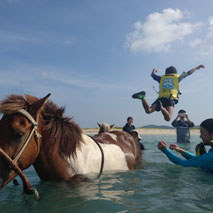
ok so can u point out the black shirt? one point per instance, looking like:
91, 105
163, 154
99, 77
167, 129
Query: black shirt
128, 128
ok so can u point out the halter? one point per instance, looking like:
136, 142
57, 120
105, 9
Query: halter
34, 129
13, 163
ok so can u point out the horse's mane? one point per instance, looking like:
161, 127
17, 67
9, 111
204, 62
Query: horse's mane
12, 104
59, 133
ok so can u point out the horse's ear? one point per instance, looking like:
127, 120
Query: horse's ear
38, 105
99, 124
111, 126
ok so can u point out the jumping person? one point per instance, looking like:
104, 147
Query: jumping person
168, 91
202, 159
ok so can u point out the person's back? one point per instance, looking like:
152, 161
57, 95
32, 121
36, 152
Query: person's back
169, 86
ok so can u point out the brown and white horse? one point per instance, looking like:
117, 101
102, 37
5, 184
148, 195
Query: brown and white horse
35, 132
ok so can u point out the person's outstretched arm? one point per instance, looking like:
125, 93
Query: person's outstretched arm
185, 74
184, 153
195, 68
205, 160
154, 76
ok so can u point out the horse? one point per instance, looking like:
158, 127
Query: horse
105, 127
35, 131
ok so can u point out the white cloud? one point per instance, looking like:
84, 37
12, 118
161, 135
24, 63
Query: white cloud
46, 76
205, 45
13, 1
159, 31
16, 37
41, 38
81, 81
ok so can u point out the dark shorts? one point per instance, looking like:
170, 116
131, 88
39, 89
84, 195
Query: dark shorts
166, 102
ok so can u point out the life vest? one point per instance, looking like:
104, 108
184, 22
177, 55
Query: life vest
169, 86
200, 148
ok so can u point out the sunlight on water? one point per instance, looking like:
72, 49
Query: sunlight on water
158, 186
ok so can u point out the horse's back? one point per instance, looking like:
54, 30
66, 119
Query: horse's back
125, 141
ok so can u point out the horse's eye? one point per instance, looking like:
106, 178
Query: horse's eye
18, 135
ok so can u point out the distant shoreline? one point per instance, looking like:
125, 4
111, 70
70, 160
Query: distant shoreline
144, 131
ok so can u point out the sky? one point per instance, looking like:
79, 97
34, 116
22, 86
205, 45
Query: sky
92, 55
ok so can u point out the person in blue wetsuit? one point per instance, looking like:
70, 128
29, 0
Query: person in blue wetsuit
202, 159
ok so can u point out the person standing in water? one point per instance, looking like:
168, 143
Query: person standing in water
183, 125
168, 91
202, 159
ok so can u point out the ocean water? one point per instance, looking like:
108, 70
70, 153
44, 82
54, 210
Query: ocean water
156, 186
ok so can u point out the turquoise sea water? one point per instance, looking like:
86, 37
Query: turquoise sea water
157, 186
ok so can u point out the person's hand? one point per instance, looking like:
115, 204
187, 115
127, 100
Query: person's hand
200, 66
174, 147
154, 71
187, 117
177, 148
162, 145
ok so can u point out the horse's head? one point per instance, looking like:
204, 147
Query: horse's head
19, 133
104, 127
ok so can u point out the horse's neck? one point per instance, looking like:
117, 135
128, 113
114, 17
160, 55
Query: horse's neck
54, 166
49, 167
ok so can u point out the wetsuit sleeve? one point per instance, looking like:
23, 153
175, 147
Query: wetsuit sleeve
182, 76
189, 155
205, 160
156, 77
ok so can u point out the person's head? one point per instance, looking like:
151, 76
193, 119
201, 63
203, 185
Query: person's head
206, 130
170, 70
182, 113
135, 134
129, 120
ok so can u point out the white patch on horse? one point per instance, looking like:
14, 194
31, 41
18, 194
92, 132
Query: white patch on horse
113, 136
88, 157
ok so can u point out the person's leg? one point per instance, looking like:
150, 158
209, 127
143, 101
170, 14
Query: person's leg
146, 106
167, 112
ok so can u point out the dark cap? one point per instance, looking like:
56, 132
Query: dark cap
171, 70
182, 111
208, 125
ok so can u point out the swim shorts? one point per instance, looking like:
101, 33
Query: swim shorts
166, 102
